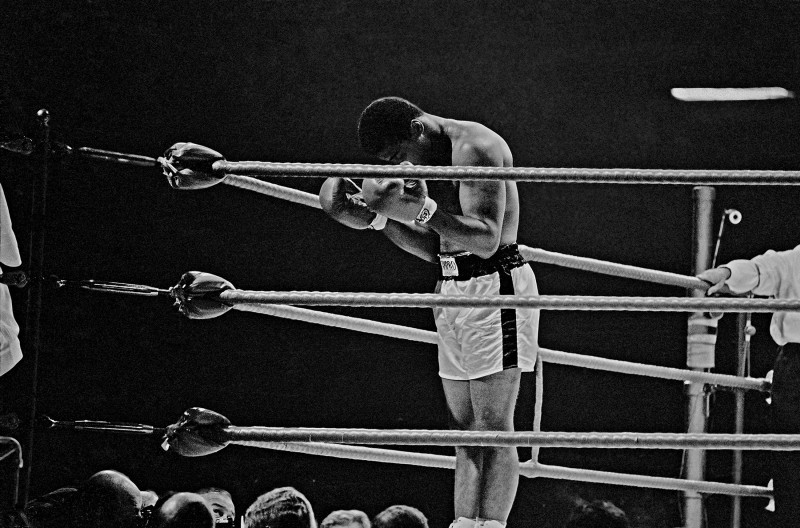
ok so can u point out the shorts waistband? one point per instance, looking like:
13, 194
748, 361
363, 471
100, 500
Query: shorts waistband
791, 347
465, 265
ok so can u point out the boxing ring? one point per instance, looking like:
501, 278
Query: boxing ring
200, 295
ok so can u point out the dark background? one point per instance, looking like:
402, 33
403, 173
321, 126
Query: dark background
567, 83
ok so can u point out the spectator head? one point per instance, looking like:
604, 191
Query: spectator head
400, 516
346, 519
221, 504
108, 499
183, 510
597, 514
280, 508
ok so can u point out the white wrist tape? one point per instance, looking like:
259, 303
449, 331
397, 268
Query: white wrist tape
427, 210
378, 223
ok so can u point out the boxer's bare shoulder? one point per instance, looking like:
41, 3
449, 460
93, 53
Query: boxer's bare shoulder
477, 144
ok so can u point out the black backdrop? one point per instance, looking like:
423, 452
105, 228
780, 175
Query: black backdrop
567, 83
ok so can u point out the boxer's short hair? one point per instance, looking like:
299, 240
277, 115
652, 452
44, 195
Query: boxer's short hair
384, 122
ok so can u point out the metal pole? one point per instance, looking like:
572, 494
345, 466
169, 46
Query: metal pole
34, 305
696, 397
743, 348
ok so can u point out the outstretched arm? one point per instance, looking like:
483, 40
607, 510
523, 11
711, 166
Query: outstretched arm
769, 274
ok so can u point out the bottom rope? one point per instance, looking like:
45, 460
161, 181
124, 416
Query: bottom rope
527, 469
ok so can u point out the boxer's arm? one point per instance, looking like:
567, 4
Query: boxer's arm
417, 240
769, 274
483, 203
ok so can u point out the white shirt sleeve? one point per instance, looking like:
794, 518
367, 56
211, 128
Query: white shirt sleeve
772, 274
9, 252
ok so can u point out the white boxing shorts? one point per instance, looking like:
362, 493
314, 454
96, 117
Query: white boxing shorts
476, 342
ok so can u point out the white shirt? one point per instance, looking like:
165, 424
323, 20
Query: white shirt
10, 351
774, 274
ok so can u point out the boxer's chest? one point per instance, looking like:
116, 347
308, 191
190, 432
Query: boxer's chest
446, 195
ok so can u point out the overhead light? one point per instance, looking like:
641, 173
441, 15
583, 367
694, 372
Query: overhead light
731, 94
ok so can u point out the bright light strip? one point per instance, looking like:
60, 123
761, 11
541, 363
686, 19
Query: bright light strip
731, 94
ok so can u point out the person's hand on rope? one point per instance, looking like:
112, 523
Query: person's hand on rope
716, 277
398, 199
342, 200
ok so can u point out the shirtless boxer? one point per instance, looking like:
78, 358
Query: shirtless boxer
470, 229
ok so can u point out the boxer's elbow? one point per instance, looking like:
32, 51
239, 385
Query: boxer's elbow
487, 243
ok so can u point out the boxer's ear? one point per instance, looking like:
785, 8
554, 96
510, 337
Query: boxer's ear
417, 128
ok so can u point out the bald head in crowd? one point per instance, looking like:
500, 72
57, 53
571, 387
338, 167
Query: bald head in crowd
280, 508
108, 499
183, 510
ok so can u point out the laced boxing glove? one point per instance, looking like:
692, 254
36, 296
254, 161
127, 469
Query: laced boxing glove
188, 166
343, 201
198, 432
405, 201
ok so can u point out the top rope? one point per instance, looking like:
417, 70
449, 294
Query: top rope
530, 174
545, 302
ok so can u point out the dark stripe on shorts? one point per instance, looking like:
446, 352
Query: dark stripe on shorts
508, 322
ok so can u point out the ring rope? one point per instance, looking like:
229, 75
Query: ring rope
530, 254
270, 189
638, 369
531, 174
527, 469
750, 442
544, 302
612, 268
341, 321
551, 356
538, 403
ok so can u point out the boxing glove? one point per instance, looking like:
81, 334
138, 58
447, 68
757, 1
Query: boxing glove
401, 200
343, 201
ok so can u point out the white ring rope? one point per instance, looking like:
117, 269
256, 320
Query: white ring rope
531, 174
530, 254
527, 469
749, 442
551, 356
538, 403
341, 321
543, 302
276, 191
612, 268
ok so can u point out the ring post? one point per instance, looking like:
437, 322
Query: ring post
33, 310
696, 397
743, 359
